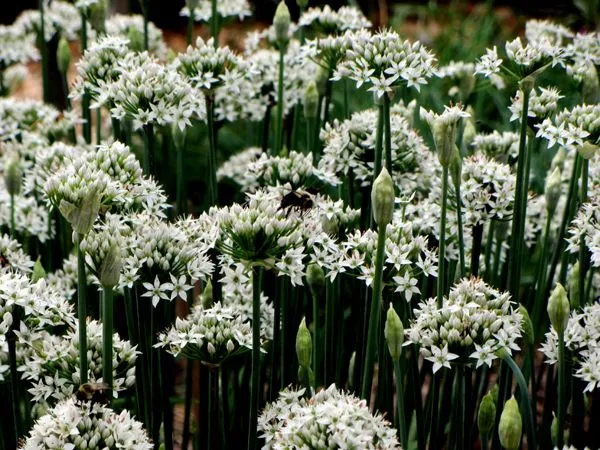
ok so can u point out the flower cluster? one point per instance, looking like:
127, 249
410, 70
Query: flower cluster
60, 18
542, 104
15, 48
474, 322
129, 26
587, 222
236, 170
572, 127
331, 418
384, 61
582, 338
12, 256
84, 425
53, 367
502, 146
328, 21
225, 9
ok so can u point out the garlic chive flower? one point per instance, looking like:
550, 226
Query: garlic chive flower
84, 425
501, 146
383, 61
53, 368
443, 128
331, 418
121, 25
582, 338
327, 21
60, 18
235, 169
225, 10
474, 322
12, 256
210, 335
573, 127
546, 30
15, 47
542, 104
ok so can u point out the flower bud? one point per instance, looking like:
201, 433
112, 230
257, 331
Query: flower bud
321, 80
528, 83
553, 191
351, 370
192, 4
38, 272
510, 427
97, 16
382, 198
587, 150
63, 56
456, 167
394, 333
311, 101
315, 277
302, 3
178, 137
469, 132
303, 345
559, 159
281, 22
573, 285
207, 295
82, 217
590, 87
558, 309
136, 39
487, 414
110, 269
13, 175
526, 325
554, 430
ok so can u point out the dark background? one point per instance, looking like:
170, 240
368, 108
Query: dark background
165, 14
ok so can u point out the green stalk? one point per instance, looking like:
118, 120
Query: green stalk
562, 391
519, 213
255, 385
541, 279
582, 248
387, 133
12, 216
476, 248
346, 102
85, 99
525, 400
190, 33
279, 117
211, 406
316, 341
145, 12
82, 312
310, 139
374, 316
133, 337
489, 243
442, 256
14, 379
401, 418
107, 338
69, 106
148, 136
98, 126
329, 351
44, 54
180, 199
212, 148
461, 239
379, 142
214, 23
459, 400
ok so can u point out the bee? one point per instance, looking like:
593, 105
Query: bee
4, 261
300, 200
93, 392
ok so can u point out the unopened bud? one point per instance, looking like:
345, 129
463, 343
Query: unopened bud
394, 333
136, 39
13, 175
526, 325
178, 137
281, 22
382, 198
207, 295
487, 414
511, 425
192, 4
302, 3
587, 150
573, 285
590, 88
311, 101
554, 430
38, 272
303, 345
98, 15
559, 159
110, 269
315, 277
558, 309
351, 370
553, 191
528, 83
82, 217
456, 168
63, 56
321, 80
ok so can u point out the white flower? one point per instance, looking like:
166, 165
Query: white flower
157, 291
440, 358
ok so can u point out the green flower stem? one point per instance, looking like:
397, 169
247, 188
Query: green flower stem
459, 400
562, 391
69, 106
418, 401
134, 338
82, 312
525, 400
180, 197
387, 133
148, 137
489, 244
583, 263
329, 370
442, 255
14, 378
107, 337
379, 142
145, 8
328, 97
223, 389
255, 386
98, 126
275, 360
316, 341
44, 54
285, 321
476, 248
85, 99
539, 303
432, 422
12, 216
190, 35
279, 117
266, 125
311, 129
214, 23
401, 418
495, 278
374, 316
212, 148
519, 213
346, 102
461, 238
212, 393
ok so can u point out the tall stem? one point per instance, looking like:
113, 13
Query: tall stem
582, 248
374, 315
329, 356
85, 99
148, 136
562, 392
190, 28
180, 198
255, 384
461, 239
519, 214
387, 134
279, 118
212, 148
541, 279
316, 341
107, 337
400, 405
12, 216
82, 312
442, 256
145, 11
44, 53
214, 23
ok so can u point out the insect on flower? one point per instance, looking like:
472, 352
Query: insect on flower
93, 392
300, 200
